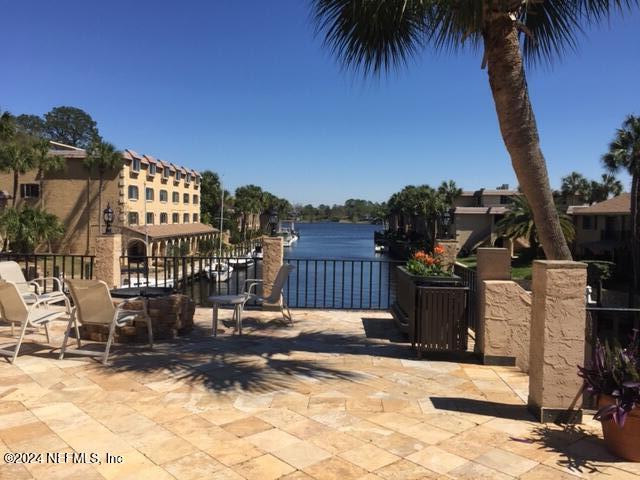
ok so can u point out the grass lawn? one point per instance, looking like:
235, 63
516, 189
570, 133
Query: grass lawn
520, 269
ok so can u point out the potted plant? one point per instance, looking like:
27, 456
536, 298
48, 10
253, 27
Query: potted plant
428, 268
614, 379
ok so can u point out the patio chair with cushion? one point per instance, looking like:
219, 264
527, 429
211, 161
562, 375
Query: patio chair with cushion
93, 306
15, 310
240, 300
32, 291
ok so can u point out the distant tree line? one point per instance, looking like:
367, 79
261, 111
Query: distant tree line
353, 210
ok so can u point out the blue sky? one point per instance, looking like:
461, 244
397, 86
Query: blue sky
245, 89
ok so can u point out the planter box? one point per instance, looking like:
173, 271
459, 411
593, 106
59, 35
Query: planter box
432, 311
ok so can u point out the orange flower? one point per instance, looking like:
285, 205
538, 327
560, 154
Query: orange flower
429, 260
438, 249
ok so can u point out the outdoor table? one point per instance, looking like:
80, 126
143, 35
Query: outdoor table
237, 301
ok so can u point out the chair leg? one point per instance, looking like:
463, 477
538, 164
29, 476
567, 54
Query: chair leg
72, 319
112, 331
46, 332
286, 316
15, 352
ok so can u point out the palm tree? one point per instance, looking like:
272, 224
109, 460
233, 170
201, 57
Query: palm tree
602, 190
450, 191
29, 227
518, 222
624, 153
376, 35
17, 157
45, 163
104, 157
576, 186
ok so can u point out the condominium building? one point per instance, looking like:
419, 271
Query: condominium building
156, 203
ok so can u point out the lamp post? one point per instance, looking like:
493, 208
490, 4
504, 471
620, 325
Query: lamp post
107, 216
447, 219
273, 222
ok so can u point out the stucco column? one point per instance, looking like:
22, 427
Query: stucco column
450, 252
272, 260
107, 260
493, 264
506, 324
557, 339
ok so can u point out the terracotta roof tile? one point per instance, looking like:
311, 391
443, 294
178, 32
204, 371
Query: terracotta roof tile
175, 230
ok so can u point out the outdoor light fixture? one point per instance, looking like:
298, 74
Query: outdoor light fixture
446, 218
107, 215
273, 222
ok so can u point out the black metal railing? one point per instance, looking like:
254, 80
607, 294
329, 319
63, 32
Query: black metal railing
469, 278
36, 265
611, 324
199, 277
341, 284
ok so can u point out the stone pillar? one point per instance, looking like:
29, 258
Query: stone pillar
107, 261
493, 264
506, 324
557, 340
450, 252
272, 260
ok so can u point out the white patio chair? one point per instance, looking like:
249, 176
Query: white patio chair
32, 291
93, 306
240, 300
15, 310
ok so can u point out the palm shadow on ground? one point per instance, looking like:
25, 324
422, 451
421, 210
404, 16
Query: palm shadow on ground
267, 357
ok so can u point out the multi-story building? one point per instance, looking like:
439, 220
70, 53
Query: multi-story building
156, 203
476, 215
603, 229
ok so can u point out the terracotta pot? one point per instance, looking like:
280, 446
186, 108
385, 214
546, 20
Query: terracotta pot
623, 442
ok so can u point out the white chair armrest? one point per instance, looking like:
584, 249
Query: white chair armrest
35, 285
56, 281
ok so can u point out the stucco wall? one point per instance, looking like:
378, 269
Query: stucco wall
507, 321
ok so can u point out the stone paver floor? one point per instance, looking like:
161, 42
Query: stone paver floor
338, 396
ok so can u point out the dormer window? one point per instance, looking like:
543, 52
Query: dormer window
178, 175
135, 165
165, 172
152, 169
187, 179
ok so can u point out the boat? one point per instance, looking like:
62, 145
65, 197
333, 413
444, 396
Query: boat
136, 281
242, 262
288, 232
219, 272
380, 248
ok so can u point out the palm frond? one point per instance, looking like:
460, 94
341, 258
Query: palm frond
371, 35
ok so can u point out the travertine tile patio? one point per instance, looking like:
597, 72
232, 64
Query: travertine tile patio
338, 396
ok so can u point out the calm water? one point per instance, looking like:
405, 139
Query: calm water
334, 241
335, 267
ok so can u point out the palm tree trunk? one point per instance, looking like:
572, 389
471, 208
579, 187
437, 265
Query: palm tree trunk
520, 132
15, 188
635, 238
41, 178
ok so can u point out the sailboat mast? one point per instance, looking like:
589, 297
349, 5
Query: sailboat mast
221, 216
